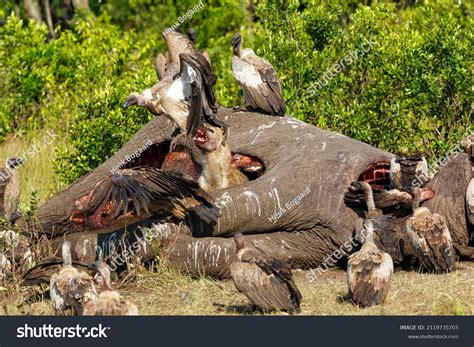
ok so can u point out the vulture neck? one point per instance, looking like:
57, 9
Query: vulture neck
369, 198
237, 50
66, 253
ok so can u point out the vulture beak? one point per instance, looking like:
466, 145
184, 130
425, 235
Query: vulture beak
126, 104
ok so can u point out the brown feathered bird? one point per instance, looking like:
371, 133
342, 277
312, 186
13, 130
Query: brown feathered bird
10, 189
385, 237
258, 79
430, 236
109, 302
70, 289
266, 281
15, 253
42, 272
369, 271
407, 171
470, 201
127, 193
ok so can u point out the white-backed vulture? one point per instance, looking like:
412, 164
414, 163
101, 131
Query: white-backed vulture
10, 189
266, 281
70, 289
369, 271
258, 80
109, 301
430, 236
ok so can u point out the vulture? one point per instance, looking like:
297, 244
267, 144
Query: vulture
179, 98
470, 201
42, 272
266, 281
128, 193
10, 189
429, 235
216, 160
369, 271
15, 253
405, 171
185, 65
467, 144
258, 80
109, 301
192, 38
383, 225
385, 199
70, 289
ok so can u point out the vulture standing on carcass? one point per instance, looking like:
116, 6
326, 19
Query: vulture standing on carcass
266, 281
10, 190
258, 79
187, 70
216, 160
383, 225
408, 171
128, 193
70, 289
192, 38
430, 236
369, 271
109, 301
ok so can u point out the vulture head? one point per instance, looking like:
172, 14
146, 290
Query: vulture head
237, 43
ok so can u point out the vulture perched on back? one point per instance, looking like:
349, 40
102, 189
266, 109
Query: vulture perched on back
70, 289
266, 281
109, 301
258, 79
369, 271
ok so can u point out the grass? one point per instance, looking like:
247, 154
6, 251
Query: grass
166, 292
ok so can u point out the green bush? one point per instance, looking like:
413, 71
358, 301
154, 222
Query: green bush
412, 91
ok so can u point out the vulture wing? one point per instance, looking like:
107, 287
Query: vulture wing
161, 63
259, 80
432, 240
44, 270
146, 189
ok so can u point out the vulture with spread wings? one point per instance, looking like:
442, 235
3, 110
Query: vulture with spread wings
128, 193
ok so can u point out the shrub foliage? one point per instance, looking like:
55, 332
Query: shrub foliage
397, 77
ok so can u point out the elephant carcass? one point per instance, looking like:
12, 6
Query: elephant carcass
295, 210
299, 198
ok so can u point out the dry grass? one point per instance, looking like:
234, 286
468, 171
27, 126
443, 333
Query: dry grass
37, 173
167, 292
